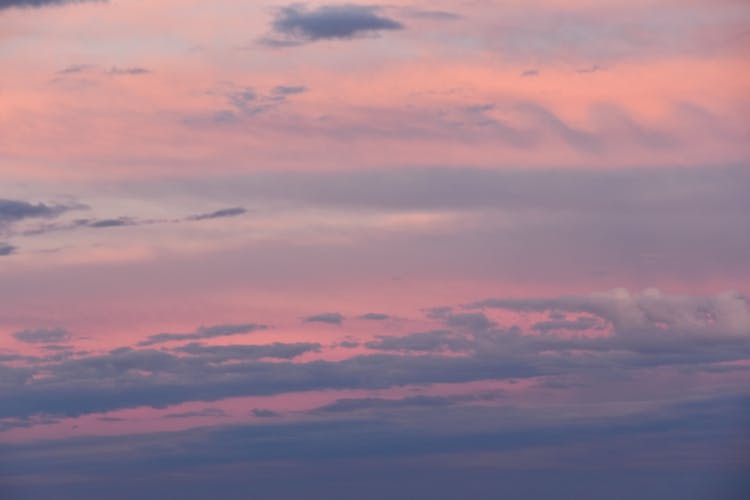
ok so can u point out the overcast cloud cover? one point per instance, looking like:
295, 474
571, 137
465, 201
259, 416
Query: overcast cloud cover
445, 250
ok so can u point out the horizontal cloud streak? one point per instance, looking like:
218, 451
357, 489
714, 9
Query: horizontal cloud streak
297, 24
204, 332
7, 4
219, 214
696, 189
42, 336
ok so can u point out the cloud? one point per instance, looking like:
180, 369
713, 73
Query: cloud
590, 69
43, 336
6, 249
14, 210
530, 72
705, 190
104, 223
75, 69
582, 323
246, 101
330, 318
126, 221
135, 70
576, 138
435, 341
223, 353
297, 24
206, 412
375, 317
363, 404
204, 332
263, 413
648, 312
535, 454
645, 331
289, 89
9, 4
219, 214
431, 15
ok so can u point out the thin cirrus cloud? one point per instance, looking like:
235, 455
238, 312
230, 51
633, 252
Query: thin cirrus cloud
375, 317
204, 332
133, 70
219, 214
298, 24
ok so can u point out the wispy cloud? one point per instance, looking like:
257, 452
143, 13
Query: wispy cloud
219, 214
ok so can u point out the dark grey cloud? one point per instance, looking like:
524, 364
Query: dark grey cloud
435, 341
132, 378
8, 4
206, 412
693, 451
475, 322
264, 413
15, 210
364, 404
6, 249
126, 221
219, 214
330, 318
530, 72
289, 89
581, 323
58, 348
43, 336
298, 24
375, 317
204, 332
349, 344
103, 223
277, 350
7, 424
650, 330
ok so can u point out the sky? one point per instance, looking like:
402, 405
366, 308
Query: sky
491, 249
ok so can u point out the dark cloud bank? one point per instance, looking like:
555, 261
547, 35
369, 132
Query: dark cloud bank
693, 445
